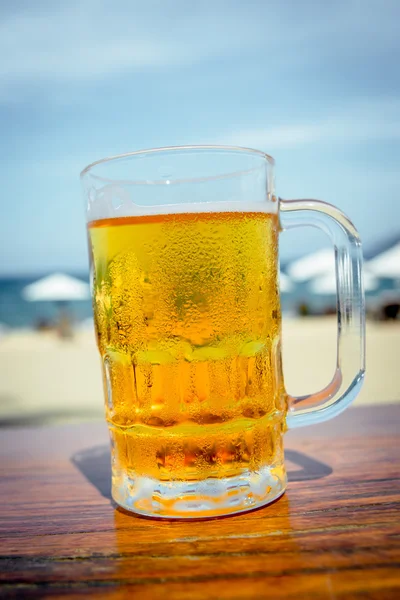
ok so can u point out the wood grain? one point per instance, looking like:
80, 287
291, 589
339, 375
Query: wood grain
335, 533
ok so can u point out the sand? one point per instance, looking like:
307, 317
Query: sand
45, 378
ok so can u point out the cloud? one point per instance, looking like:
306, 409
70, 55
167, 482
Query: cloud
359, 121
61, 46
91, 39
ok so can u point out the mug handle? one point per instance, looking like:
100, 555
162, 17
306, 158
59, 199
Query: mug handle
350, 363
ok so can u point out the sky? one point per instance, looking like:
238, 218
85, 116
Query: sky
315, 84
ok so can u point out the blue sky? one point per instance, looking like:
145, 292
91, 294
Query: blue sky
315, 84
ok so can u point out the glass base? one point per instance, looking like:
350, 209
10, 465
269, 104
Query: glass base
198, 499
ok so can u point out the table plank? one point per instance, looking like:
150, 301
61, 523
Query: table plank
334, 534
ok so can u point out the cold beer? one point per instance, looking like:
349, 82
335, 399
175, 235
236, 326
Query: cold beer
188, 325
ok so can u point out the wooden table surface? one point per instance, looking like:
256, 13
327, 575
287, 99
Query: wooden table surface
334, 534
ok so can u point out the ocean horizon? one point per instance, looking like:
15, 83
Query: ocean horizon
16, 312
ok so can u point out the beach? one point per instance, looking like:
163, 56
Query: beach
44, 378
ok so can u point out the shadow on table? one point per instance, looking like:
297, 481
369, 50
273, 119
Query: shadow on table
94, 464
310, 468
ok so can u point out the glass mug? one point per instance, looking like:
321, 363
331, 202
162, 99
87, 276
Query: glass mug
183, 247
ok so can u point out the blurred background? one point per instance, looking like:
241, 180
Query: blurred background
314, 84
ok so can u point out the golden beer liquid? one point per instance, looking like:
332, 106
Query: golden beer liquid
188, 323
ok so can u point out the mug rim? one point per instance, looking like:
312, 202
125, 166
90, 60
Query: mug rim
165, 149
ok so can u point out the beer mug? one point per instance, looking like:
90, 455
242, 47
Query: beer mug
183, 245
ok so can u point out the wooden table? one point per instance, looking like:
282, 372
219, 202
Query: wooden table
335, 533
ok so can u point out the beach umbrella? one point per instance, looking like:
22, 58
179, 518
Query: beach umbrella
57, 288
386, 264
326, 284
285, 283
313, 265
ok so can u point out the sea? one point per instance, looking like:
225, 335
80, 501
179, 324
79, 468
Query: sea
16, 312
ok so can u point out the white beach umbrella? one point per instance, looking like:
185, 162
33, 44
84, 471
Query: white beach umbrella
285, 283
313, 265
57, 288
386, 264
327, 283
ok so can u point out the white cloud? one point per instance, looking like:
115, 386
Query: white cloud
362, 121
90, 39
62, 47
